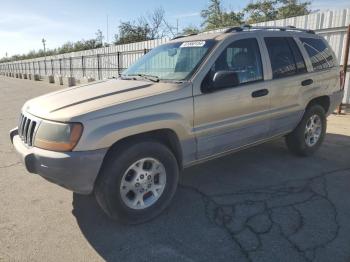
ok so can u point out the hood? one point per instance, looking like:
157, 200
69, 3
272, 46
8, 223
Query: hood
65, 104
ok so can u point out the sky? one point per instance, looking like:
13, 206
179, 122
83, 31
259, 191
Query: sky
24, 23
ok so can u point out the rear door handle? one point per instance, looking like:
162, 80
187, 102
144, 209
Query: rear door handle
307, 82
259, 93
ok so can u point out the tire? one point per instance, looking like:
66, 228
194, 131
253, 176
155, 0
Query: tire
116, 188
299, 141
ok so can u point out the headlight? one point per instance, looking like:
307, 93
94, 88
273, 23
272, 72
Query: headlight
58, 136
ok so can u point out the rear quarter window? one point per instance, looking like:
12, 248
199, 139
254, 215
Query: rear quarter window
320, 54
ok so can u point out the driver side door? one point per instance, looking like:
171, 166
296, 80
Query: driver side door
232, 117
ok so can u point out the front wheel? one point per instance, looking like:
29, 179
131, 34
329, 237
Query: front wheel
137, 182
308, 136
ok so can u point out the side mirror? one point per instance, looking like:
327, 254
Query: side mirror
224, 79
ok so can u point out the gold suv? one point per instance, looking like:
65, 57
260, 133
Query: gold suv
193, 99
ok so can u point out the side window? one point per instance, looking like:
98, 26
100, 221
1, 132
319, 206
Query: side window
286, 59
242, 57
320, 54
299, 60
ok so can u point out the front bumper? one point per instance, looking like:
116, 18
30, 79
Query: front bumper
76, 171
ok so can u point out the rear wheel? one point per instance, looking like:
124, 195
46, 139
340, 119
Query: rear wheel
137, 182
308, 136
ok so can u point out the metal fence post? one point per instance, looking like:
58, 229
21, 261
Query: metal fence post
82, 65
118, 61
98, 67
70, 67
60, 61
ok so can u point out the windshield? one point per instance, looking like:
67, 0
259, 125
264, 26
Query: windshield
175, 61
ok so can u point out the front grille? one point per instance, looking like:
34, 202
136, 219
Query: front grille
26, 129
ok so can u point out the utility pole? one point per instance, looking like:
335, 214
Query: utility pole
44, 44
345, 65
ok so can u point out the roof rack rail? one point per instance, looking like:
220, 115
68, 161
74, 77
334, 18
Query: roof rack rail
181, 36
234, 29
281, 28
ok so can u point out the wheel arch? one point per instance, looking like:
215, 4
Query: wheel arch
166, 136
323, 101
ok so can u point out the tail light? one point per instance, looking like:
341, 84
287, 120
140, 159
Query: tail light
342, 79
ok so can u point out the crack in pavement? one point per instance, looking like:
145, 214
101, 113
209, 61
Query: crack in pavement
11, 165
296, 216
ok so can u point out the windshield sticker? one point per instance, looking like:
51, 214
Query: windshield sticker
193, 44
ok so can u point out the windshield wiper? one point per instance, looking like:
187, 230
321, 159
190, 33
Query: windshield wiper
148, 77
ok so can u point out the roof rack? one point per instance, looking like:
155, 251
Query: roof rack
280, 28
181, 36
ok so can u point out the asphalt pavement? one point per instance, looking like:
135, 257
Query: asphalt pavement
260, 204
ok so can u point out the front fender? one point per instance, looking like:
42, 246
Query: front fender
111, 132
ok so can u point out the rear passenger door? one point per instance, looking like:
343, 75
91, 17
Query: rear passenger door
288, 75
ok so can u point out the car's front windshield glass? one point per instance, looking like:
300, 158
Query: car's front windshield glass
174, 61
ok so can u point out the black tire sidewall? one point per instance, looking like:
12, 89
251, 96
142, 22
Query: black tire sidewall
296, 140
108, 184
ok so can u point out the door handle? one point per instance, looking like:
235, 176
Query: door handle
259, 93
307, 82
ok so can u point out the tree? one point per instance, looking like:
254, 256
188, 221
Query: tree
190, 30
215, 17
145, 28
261, 11
99, 38
267, 10
66, 48
131, 32
291, 8
158, 25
